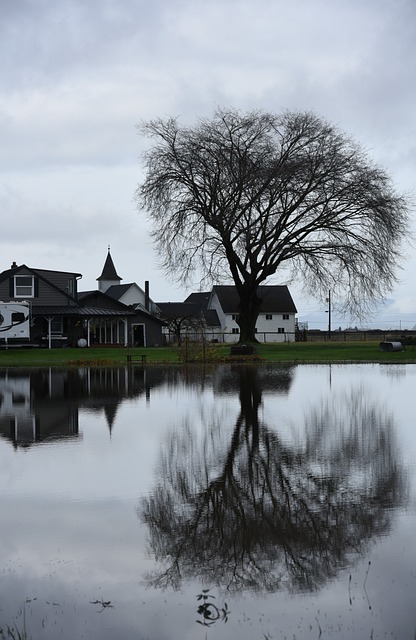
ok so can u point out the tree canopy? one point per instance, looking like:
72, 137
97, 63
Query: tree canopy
246, 195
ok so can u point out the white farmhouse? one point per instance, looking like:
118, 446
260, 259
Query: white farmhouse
215, 314
277, 317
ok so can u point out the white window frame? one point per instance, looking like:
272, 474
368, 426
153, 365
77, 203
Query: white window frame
71, 287
18, 287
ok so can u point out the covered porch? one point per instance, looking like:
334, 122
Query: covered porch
79, 326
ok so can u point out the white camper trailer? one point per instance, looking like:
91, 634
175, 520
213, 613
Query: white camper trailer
14, 321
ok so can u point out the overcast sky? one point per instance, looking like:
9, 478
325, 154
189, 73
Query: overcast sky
77, 76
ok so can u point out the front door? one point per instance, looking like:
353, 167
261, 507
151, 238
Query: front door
139, 335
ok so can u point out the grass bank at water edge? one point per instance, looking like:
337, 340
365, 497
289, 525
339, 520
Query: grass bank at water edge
294, 352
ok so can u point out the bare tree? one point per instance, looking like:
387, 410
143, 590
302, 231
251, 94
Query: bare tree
248, 194
182, 319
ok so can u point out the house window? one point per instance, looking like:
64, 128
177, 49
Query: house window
24, 287
281, 330
285, 316
235, 330
57, 326
269, 316
70, 287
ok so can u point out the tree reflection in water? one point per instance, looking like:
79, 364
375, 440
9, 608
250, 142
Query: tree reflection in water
263, 514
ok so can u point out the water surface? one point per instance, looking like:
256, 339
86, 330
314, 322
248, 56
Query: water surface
282, 496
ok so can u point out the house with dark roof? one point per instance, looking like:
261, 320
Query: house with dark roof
62, 316
55, 315
277, 317
214, 313
144, 325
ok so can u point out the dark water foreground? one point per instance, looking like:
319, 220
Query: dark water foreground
233, 502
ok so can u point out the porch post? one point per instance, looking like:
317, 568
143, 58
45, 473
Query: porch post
126, 335
49, 320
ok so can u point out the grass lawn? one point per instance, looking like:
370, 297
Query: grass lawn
294, 352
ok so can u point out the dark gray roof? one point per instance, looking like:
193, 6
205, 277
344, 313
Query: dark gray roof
199, 298
179, 309
85, 312
84, 294
37, 272
188, 310
117, 290
276, 298
109, 271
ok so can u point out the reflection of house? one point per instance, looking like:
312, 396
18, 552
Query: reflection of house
44, 404
60, 316
216, 314
31, 407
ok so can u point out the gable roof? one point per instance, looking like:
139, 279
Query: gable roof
39, 273
16, 268
116, 291
98, 298
36, 272
275, 298
179, 309
194, 309
199, 298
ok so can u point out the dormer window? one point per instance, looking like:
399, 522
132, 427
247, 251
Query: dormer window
24, 287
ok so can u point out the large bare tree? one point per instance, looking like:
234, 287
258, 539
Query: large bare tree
248, 195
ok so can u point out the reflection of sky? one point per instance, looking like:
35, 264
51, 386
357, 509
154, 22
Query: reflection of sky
70, 532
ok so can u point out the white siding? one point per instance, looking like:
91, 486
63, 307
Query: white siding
133, 295
268, 330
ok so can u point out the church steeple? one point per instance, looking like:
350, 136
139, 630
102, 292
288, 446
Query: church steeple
109, 275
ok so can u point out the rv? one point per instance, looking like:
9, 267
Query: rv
14, 322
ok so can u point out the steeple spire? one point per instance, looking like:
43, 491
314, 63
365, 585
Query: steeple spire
109, 274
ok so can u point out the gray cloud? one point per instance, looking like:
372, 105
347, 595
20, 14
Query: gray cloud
76, 77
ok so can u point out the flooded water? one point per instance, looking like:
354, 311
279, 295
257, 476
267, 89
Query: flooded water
234, 502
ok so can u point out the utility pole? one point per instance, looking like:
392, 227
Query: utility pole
328, 299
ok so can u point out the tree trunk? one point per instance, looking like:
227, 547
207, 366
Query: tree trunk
248, 312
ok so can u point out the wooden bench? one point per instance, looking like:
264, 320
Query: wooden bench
139, 358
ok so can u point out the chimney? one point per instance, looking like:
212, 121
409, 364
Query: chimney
146, 296
13, 266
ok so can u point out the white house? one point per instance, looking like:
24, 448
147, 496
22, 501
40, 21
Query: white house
277, 318
217, 310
